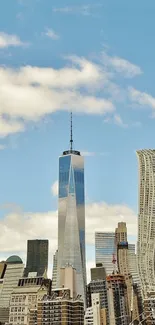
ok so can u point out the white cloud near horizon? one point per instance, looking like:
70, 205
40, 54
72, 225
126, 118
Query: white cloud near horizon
7, 40
16, 227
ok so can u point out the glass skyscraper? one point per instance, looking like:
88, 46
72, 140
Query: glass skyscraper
71, 216
37, 257
105, 249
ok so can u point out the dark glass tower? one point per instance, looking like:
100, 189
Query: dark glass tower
37, 257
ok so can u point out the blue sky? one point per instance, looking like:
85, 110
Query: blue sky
96, 58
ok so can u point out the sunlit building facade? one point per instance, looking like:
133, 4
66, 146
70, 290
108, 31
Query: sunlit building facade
71, 217
146, 220
105, 249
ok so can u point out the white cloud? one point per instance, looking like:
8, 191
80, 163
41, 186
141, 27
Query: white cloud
88, 153
120, 65
118, 120
16, 227
31, 93
7, 40
141, 98
2, 146
84, 10
52, 34
55, 188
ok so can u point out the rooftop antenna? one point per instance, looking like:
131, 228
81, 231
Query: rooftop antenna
71, 134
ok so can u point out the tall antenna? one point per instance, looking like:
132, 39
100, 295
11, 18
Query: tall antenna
71, 135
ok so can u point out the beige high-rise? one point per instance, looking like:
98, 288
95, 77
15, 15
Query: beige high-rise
146, 220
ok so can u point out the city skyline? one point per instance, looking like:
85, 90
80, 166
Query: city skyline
59, 67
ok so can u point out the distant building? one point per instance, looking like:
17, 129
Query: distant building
25, 297
98, 287
37, 257
55, 270
98, 272
68, 279
149, 308
105, 248
124, 269
95, 315
59, 308
146, 220
117, 300
14, 271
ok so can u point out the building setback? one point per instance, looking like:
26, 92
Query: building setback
37, 257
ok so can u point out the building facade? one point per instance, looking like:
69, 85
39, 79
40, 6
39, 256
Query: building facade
95, 315
146, 220
59, 308
98, 287
24, 298
71, 217
14, 271
117, 300
55, 267
37, 257
105, 248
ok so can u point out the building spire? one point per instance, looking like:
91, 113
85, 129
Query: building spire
71, 134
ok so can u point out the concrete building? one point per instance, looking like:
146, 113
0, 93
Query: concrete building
68, 280
95, 315
117, 300
124, 269
98, 287
71, 215
105, 248
149, 308
59, 308
121, 233
146, 220
14, 271
98, 272
25, 297
55, 268
37, 257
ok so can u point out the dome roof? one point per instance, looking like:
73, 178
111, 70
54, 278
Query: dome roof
14, 259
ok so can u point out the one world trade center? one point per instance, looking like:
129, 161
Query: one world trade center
71, 215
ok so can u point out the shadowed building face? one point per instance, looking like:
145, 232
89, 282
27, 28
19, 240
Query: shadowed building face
37, 257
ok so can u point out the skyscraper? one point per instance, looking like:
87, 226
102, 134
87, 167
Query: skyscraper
37, 257
14, 271
71, 215
104, 249
146, 220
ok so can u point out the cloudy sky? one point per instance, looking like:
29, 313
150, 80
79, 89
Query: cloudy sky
96, 59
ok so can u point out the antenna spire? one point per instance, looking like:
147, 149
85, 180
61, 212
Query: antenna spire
71, 134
